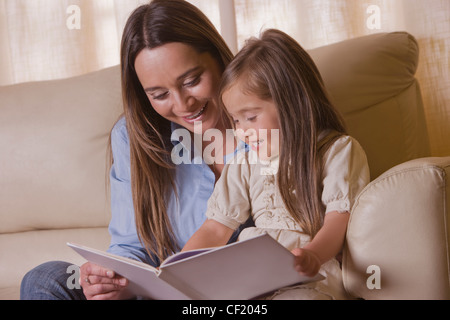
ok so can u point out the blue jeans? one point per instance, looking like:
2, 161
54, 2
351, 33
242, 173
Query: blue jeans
50, 281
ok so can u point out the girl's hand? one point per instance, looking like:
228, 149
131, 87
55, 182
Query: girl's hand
306, 262
102, 284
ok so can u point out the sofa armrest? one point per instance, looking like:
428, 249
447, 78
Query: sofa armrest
397, 244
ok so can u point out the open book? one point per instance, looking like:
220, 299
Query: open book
239, 271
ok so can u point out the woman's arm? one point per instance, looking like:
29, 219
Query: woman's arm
124, 239
210, 234
327, 243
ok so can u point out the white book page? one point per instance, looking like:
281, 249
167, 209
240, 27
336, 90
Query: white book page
242, 270
182, 256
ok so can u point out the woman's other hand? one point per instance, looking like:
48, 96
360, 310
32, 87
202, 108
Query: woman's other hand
102, 284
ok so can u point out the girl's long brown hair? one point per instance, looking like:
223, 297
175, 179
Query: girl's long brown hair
152, 171
276, 68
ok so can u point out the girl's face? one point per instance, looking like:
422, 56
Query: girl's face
181, 84
256, 121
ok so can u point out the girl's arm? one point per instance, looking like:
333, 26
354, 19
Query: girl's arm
210, 234
327, 243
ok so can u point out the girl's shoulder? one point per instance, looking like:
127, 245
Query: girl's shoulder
345, 173
346, 142
341, 142
345, 147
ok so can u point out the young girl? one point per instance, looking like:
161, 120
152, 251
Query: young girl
299, 191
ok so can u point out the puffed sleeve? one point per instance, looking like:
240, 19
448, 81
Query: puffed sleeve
229, 203
345, 174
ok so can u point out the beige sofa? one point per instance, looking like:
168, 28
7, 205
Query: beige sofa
53, 138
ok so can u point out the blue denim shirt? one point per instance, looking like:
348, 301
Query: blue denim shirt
194, 182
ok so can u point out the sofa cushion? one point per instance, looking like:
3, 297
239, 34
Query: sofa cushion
397, 241
23, 251
364, 71
372, 82
53, 138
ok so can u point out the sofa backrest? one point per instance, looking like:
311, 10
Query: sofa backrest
53, 134
53, 138
372, 82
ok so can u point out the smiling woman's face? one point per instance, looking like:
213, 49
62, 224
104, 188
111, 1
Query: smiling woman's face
181, 84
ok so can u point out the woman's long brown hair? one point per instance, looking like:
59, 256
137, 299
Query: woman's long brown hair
152, 171
276, 68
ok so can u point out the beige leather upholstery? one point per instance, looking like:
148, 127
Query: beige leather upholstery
53, 138
371, 80
400, 224
22, 251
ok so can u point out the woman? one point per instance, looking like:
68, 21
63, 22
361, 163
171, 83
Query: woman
172, 59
